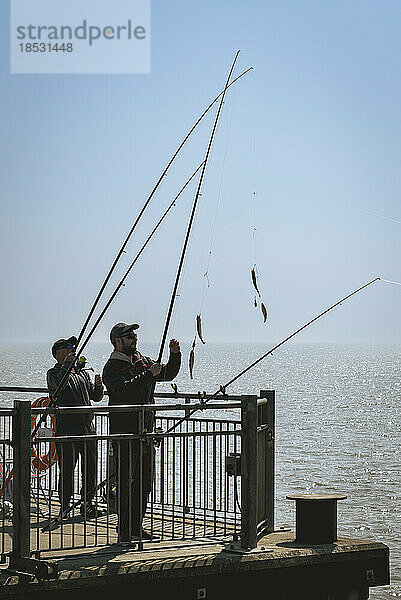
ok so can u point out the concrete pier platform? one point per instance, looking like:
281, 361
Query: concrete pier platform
280, 568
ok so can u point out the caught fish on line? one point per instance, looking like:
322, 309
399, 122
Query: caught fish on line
264, 312
199, 328
254, 281
192, 359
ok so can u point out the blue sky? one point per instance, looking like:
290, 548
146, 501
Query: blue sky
307, 152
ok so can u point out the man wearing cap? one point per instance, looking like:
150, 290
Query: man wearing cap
130, 378
78, 390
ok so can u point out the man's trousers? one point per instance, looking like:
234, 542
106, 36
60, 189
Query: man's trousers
68, 453
134, 462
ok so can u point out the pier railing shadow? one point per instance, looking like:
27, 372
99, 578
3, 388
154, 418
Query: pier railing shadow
207, 477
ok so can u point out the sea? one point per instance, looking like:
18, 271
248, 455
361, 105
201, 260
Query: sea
338, 416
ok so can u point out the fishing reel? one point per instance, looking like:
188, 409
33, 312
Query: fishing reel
80, 365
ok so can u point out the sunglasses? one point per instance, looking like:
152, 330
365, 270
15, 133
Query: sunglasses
68, 346
131, 336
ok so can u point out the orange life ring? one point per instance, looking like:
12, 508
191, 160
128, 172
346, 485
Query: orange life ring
41, 462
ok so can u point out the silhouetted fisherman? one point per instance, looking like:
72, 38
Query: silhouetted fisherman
130, 378
78, 390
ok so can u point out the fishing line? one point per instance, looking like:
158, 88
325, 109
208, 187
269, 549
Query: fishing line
195, 203
206, 279
222, 388
253, 196
370, 212
257, 298
389, 281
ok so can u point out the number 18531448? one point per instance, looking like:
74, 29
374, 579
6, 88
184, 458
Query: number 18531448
42, 47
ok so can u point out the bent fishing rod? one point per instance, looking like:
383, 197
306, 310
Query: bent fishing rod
194, 206
203, 166
127, 272
222, 388
56, 521
149, 198
118, 287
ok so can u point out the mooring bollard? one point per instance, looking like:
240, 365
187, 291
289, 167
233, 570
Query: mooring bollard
316, 517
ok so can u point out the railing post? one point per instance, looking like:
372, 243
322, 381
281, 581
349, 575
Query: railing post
249, 461
266, 420
21, 441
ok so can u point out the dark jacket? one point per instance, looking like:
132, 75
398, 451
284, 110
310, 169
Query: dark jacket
131, 383
78, 391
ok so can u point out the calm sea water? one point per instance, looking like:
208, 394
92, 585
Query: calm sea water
338, 423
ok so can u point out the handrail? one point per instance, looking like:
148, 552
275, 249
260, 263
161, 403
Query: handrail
249, 434
71, 410
190, 396
136, 408
138, 436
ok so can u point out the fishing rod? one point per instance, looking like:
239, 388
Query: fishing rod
57, 520
223, 388
195, 203
203, 165
122, 249
120, 284
149, 198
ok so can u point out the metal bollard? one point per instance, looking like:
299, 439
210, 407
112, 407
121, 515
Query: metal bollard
316, 517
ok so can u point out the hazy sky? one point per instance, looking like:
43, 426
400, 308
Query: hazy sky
308, 153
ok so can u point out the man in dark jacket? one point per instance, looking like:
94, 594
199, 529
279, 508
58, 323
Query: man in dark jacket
130, 378
77, 391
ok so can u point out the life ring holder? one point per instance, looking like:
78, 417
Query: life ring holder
41, 462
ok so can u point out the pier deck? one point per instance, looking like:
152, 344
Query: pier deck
208, 568
213, 492
89, 534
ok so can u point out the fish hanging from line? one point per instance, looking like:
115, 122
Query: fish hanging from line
264, 312
255, 301
254, 281
192, 359
199, 328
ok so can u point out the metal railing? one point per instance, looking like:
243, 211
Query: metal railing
191, 479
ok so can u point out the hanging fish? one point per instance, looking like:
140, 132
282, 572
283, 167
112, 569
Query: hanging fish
191, 363
255, 285
264, 312
255, 302
192, 359
199, 328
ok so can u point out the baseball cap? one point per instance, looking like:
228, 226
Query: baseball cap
63, 343
121, 329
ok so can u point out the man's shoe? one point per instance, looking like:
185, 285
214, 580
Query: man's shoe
127, 544
147, 536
